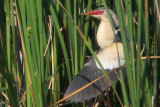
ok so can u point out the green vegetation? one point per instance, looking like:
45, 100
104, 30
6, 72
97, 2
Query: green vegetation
44, 43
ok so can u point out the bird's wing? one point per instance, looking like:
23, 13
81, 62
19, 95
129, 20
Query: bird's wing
89, 73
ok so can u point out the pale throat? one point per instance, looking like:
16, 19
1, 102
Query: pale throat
105, 35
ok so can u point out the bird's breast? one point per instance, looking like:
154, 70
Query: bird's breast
109, 56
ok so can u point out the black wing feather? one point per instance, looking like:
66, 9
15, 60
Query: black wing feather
89, 73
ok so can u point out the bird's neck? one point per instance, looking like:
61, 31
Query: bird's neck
105, 35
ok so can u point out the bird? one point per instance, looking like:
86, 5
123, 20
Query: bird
107, 56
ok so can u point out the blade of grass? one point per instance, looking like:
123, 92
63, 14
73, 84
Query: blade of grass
55, 21
40, 76
126, 52
129, 19
71, 35
8, 34
86, 28
75, 39
147, 52
139, 51
12, 96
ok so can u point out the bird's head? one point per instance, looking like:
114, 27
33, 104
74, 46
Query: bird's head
97, 13
100, 13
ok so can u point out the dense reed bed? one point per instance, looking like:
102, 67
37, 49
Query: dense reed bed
44, 44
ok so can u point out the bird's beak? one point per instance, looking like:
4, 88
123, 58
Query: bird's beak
94, 12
